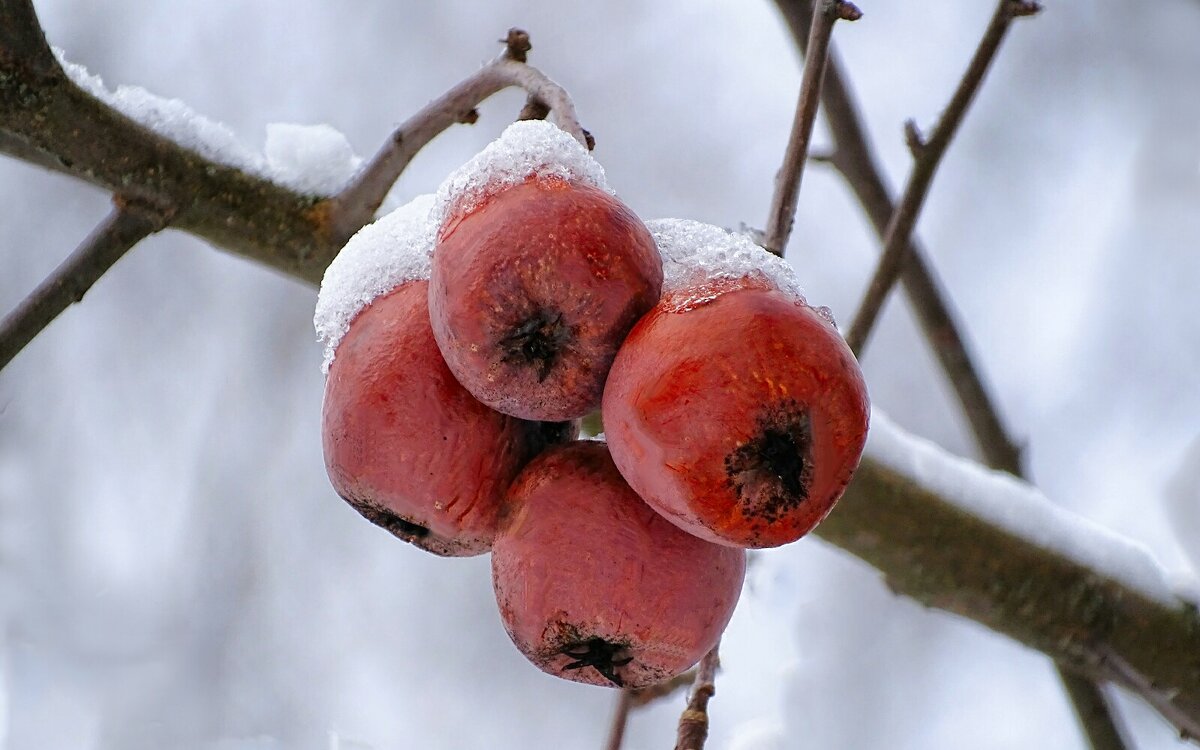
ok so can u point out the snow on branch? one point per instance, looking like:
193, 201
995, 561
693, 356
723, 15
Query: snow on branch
982, 544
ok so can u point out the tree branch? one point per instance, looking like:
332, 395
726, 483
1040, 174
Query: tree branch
693, 723
127, 225
46, 119
357, 203
927, 156
933, 551
787, 182
854, 158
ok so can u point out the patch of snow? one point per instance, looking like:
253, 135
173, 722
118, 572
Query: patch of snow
377, 259
525, 149
312, 159
695, 254
1019, 508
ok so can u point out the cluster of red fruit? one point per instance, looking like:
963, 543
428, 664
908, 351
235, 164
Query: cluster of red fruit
472, 331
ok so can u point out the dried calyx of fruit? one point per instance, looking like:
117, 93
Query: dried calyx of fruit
734, 408
596, 587
404, 443
540, 272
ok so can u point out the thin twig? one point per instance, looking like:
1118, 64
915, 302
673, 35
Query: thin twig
1094, 712
929, 155
616, 731
855, 160
853, 157
357, 203
1187, 725
693, 723
127, 225
787, 182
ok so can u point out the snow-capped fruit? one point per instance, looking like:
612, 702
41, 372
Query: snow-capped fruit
737, 411
533, 290
596, 587
406, 445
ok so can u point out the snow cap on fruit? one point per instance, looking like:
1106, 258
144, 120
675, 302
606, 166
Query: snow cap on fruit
696, 254
529, 148
378, 258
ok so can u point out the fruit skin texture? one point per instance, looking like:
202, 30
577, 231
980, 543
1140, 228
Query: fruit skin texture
596, 587
533, 291
737, 412
405, 444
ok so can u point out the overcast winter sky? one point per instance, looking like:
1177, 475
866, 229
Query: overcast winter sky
175, 570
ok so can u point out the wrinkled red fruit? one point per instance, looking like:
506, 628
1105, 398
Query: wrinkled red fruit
533, 292
739, 414
596, 587
406, 445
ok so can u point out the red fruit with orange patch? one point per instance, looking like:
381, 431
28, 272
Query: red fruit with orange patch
737, 411
533, 291
406, 445
596, 587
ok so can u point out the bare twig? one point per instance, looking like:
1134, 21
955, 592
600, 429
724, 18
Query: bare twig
1187, 725
787, 182
616, 730
127, 225
928, 156
693, 723
1095, 713
854, 159
357, 203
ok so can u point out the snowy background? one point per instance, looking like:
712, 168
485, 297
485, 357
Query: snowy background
175, 570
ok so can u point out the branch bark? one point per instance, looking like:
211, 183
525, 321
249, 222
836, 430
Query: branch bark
127, 225
931, 550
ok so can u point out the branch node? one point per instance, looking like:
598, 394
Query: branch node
517, 44
1020, 8
470, 117
846, 11
913, 139
534, 109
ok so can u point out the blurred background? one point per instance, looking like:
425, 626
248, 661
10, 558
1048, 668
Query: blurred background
175, 570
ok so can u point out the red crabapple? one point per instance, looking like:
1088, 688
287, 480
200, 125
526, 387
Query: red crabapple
733, 408
538, 275
406, 445
596, 587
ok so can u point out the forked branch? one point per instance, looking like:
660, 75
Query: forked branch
357, 203
128, 224
48, 120
927, 155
